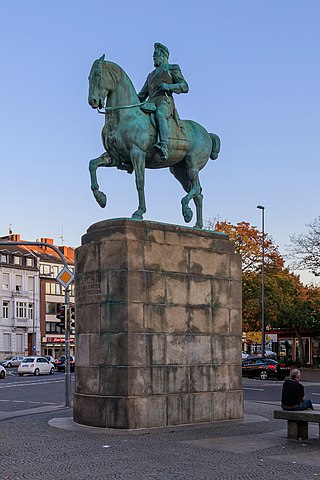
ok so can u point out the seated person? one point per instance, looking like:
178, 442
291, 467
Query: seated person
293, 396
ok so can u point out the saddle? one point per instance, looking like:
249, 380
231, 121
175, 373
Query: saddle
150, 108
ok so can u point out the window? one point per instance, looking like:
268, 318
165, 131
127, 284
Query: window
30, 262
17, 260
71, 288
30, 283
5, 309
55, 270
6, 342
18, 283
53, 288
30, 311
3, 258
45, 269
21, 310
52, 308
19, 343
52, 327
5, 281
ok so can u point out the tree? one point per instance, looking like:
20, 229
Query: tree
301, 313
305, 249
288, 303
248, 242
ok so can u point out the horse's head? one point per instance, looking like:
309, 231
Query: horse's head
98, 87
107, 79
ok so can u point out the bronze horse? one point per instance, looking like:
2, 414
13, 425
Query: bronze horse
129, 134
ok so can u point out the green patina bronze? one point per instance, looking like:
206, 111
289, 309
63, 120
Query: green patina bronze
144, 130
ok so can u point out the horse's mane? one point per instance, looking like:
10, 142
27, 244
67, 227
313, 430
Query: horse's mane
117, 74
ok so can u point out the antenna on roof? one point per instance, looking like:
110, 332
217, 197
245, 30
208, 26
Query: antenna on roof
10, 229
62, 237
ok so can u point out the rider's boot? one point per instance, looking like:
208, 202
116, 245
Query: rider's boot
163, 149
163, 145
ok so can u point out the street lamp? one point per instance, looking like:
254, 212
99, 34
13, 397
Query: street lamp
33, 316
261, 207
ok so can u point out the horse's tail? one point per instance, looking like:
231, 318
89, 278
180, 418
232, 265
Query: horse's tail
215, 146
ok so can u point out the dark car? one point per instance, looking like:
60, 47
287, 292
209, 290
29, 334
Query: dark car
61, 363
264, 368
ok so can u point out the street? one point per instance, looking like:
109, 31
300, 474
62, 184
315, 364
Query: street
270, 390
20, 393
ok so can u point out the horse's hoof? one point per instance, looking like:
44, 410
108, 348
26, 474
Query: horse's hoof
187, 214
137, 216
101, 198
198, 226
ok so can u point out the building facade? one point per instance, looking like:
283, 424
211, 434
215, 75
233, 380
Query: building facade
20, 300
30, 297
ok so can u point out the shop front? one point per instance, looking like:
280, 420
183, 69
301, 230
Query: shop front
287, 347
55, 346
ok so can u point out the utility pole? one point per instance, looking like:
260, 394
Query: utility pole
263, 349
67, 376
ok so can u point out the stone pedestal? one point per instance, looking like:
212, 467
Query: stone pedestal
158, 326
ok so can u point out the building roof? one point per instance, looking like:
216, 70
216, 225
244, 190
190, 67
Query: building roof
43, 252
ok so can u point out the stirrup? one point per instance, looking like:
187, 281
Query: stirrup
163, 149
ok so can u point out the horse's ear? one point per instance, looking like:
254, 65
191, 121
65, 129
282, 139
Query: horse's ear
103, 57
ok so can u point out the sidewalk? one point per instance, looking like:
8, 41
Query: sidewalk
310, 374
256, 447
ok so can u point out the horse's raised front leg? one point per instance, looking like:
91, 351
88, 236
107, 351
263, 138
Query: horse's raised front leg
103, 161
138, 162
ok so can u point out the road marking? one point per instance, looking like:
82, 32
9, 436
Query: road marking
255, 389
24, 384
30, 402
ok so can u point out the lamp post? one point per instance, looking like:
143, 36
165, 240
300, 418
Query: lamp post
261, 207
33, 316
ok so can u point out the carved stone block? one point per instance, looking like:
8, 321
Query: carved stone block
158, 331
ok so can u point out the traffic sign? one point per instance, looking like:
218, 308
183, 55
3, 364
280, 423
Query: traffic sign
65, 277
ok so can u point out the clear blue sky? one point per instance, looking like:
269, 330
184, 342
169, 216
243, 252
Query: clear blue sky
253, 72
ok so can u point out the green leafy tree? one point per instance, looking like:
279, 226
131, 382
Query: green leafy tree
301, 313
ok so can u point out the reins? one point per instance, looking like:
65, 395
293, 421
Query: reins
120, 107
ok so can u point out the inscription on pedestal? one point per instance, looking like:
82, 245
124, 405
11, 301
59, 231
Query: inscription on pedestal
88, 288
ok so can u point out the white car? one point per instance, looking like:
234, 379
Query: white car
270, 353
12, 361
2, 372
35, 366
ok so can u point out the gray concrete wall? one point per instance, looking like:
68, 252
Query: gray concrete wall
158, 331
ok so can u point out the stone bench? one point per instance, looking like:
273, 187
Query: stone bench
298, 421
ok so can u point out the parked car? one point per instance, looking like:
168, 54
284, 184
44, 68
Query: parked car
61, 363
267, 353
264, 368
244, 355
2, 372
50, 359
12, 361
35, 366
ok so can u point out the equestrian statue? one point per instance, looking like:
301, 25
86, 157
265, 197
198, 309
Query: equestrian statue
144, 130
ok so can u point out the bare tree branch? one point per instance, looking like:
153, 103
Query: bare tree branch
305, 249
